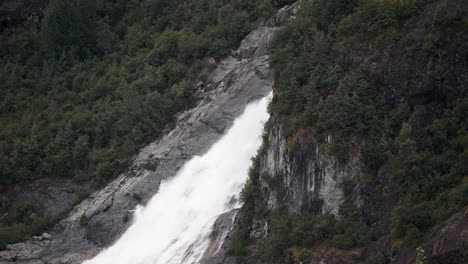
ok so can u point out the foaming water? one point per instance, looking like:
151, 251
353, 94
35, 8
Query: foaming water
175, 225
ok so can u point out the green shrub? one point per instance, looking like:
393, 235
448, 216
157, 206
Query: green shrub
352, 231
305, 255
378, 16
433, 176
83, 91
23, 222
445, 20
84, 219
308, 231
378, 259
250, 195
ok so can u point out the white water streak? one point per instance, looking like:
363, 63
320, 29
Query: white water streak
174, 227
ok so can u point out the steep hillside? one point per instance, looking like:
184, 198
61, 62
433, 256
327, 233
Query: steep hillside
85, 226
86, 84
364, 157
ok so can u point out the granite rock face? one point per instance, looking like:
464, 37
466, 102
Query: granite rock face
312, 177
217, 250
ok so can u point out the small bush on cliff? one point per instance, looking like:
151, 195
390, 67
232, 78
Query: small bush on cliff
84, 219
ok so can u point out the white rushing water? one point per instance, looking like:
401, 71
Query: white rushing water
175, 225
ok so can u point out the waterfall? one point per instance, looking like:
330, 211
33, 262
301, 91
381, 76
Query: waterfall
175, 225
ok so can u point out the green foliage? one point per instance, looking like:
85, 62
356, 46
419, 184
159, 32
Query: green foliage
26, 220
69, 27
84, 220
352, 231
276, 245
326, 14
287, 230
99, 79
315, 89
305, 255
250, 195
449, 21
333, 99
22, 222
377, 259
375, 16
433, 176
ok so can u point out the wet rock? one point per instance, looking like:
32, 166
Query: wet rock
42, 237
220, 239
256, 43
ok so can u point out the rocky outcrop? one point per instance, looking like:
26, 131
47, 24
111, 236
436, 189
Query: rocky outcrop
447, 244
220, 239
404, 71
226, 88
311, 177
299, 174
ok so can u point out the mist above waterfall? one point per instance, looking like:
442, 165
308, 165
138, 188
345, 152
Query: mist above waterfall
175, 225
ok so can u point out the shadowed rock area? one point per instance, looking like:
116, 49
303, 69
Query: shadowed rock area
13, 12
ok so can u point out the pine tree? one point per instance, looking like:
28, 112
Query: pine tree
69, 26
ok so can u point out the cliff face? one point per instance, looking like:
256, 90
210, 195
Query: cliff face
423, 66
311, 177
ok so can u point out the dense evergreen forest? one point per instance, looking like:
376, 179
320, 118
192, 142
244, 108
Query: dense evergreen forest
93, 80
321, 92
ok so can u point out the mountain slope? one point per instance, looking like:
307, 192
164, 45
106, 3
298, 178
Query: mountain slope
364, 155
